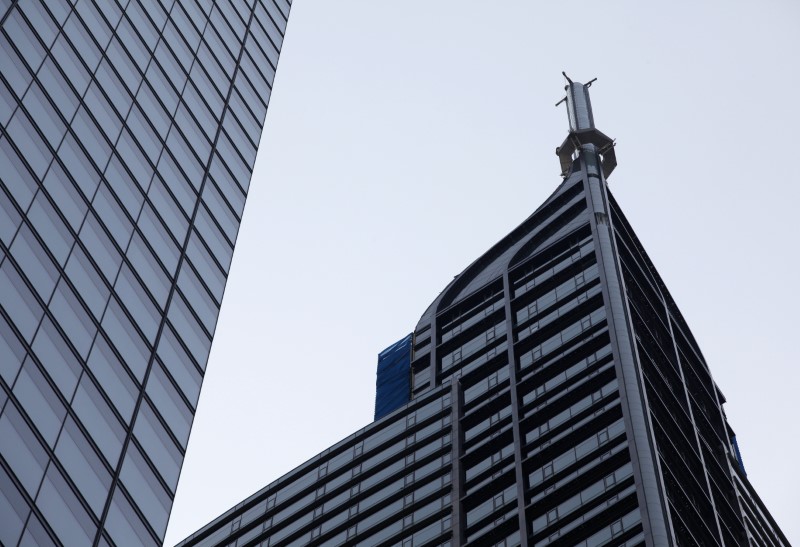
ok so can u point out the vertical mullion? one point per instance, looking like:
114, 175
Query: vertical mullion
512, 376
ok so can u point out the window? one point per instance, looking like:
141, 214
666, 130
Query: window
62, 510
72, 317
84, 466
15, 295
99, 420
20, 449
34, 262
39, 401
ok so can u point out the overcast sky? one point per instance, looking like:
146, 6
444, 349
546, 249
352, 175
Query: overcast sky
403, 139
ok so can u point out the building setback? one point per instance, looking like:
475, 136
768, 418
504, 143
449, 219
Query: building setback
129, 132
554, 396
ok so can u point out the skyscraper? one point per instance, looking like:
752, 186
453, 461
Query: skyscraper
129, 132
551, 394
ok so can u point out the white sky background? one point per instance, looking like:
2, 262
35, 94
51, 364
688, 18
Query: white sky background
404, 138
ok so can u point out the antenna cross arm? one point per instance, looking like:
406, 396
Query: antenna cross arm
576, 139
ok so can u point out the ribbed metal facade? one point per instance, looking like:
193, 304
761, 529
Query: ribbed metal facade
129, 132
558, 398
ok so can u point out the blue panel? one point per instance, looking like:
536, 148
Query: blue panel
738, 455
393, 385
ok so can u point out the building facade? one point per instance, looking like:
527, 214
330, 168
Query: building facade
555, 397
129, 132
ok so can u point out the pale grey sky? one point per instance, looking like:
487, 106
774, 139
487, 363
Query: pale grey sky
404, 138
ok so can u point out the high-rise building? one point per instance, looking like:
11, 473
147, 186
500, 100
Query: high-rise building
551, 395
129, 132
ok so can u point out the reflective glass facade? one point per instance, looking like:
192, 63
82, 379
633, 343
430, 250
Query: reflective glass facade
129, 132
557, 397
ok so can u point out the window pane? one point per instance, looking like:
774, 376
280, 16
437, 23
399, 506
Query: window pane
149, 269
16, 296
84, 466
140, 481
63, 192
10, 219
124, 525
79, 166
44, 115
138, 303
57, 358
100, 248
113, 377
12, 352
13, 510
72, 317
50, 228
15, 176
123, 335
62, 510
20, 449
170, 405
34, 263
110, 213
157, 444
99, 420
189, 329
39, 401
179, 365
88, 282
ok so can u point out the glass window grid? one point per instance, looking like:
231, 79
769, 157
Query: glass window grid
224, 57
24, 40
88, 255
251, 97
224, 30
48, 452
204, 262
267, 37
156, 443
236, 15
277, 15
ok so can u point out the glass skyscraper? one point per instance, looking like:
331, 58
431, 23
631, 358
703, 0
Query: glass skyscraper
551, 395
129, 132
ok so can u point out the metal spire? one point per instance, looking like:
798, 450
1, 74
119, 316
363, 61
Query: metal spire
582, 131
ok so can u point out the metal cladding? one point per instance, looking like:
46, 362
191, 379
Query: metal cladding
557, 398
579, 106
